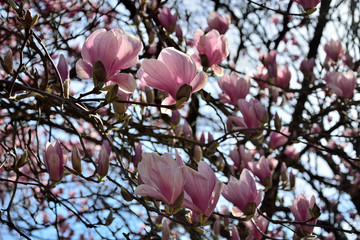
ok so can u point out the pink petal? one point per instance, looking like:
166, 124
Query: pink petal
126, 82
199, 81
88, 50
83, 69
145, 190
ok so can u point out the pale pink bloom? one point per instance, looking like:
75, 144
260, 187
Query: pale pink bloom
261, 222
254, 113
291, 153
333, 49
234, 88
103, 160
261, 169
307, 66
202, 191
216, 21
300, 210
54, 161
116, 50
169, 72
261, 77
63, 68
278, 139
161, 178
269, 61
341, 84
241, 157
283, 77
167, 19
212, 47
242, 192
308, 4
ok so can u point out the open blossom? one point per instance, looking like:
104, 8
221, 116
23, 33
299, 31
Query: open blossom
269, 61
243, 194
161, 178
342, 84
307, 66
116, 50
300, 210
283, 77
253, 113
262, 170
241, 157
261, 222
234, 87
170, 72
54, 161
212, 47
216, 21
333, 49
167, 19
202, 191
308, 4
278, 139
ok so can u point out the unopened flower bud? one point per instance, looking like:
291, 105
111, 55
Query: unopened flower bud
7, 63
198, 153
76, 160
184, 92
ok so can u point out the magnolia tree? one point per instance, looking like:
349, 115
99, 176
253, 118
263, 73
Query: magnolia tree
179, 119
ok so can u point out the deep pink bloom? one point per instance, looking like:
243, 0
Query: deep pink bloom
167, 20
307, 66
241, 157
116, 50
300, 210
103, 161
63, 68
170, 71
333, 49
161, 178
216, 21
202, 191
242, 192
234, 87
283, 77
54, 161
308, 4
342, 84
261, 222
278, 139
212, 47
253, 113
138, 153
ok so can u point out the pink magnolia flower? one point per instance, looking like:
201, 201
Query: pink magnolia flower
161, 178
253, 113
307, 66
300, 210
261, 222
278, 139
202, 191
243, 194
348, 59
216, 21
342, 84
54, 161
333, 49
172, 70
308, 4
234, 233
103, 161
262, 170
241, 157
283, 77
212, 47
116, 50
269, 61
167, 20
234, 87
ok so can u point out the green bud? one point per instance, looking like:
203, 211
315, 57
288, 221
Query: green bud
184, 92
99, 73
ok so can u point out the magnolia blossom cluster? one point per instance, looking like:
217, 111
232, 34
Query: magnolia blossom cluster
165, 179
